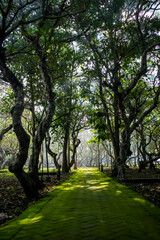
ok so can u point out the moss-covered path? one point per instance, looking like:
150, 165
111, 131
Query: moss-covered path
89, 206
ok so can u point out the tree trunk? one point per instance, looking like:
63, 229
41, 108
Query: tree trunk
54, 155
98, 157
42, 158
65, 168
28, 184
69, 150
34, 162
138, 155
46, 153
76, 143
40, 135
116, 126
51, 153
75, 162
23, 138
119, 169
44, 125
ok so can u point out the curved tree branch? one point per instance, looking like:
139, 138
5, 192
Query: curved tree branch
4, 131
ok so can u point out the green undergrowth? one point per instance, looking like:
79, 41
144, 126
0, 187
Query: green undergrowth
7, 172
89, 205
50, 170
4, 172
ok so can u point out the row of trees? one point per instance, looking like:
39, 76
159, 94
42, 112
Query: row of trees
74, 64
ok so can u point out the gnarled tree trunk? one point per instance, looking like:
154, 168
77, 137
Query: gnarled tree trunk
23, 138
76, 143
44, 125
65, 167
124, 153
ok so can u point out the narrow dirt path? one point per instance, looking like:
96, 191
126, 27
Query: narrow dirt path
89, 206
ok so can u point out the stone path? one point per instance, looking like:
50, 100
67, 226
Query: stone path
89, 206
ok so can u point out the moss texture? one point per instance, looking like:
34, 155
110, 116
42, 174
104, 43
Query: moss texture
89, 206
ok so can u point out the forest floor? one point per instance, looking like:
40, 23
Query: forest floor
12, 198
144, 183
13, 201
88, 206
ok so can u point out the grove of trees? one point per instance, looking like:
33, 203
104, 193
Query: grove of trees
66, 66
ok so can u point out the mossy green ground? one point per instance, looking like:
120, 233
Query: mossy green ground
89, 206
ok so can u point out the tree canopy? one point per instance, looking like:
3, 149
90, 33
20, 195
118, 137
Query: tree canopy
71, 65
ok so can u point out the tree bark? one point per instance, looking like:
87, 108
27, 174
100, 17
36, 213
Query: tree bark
23, 138
68, 150
4, 131
54, 155
65, 167
98, 156
124, 153
76, 143
75, 162
44, 125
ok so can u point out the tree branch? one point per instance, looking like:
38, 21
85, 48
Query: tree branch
154, 105
142, 71
4, 131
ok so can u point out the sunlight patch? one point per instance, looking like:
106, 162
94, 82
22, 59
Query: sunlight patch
104, 184
92, 182
30, 220
68, 188
96, 187
81, 186
118, 192
139, 200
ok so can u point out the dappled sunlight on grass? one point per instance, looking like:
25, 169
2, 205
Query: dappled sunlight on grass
118, 192
96, 187
92, 182
104, 183
81, 186
30, 220
89, 205
140, 200
145, 203
66, 184
68, 188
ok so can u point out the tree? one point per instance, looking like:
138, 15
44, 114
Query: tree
122, 58
70, 114
12, 16
148, 133
111, 46
19, 17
